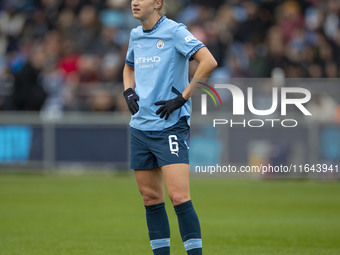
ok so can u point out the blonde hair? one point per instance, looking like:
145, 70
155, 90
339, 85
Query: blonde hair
163, 8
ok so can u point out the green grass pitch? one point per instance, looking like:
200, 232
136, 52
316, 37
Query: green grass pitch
104, 215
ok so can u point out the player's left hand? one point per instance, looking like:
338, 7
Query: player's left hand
169, 106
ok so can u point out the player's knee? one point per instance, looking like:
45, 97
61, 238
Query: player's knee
178, 198
151, 198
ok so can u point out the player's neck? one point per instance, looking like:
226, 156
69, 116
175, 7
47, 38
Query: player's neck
150, 22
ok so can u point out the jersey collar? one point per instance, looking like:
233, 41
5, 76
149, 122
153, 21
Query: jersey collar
156, 25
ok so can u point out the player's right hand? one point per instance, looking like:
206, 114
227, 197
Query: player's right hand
131, 99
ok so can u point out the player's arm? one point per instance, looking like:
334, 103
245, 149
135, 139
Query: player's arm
129, 77
129, 93
206, 64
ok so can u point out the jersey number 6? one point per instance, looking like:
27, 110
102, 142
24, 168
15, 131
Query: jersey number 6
173, 145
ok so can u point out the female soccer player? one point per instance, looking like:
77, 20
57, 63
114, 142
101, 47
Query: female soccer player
157, 93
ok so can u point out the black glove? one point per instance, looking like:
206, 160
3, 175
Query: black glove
131, 99
170, 105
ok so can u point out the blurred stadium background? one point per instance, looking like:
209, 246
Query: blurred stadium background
61, 108
61, 67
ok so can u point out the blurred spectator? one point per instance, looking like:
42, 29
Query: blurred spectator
289, 18
53, 84
111, 67
87, 29
65, 23
88, 69
254, 28
29, 95
68, 58
11, 25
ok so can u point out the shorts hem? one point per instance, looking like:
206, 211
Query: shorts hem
173, 163
163, 164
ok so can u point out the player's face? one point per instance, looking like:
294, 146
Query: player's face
142, 9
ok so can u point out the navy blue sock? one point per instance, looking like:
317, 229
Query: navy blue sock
159, 230
190, 229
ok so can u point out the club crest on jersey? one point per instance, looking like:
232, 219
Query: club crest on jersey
160, 44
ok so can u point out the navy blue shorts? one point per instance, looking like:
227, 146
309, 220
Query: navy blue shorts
152, 149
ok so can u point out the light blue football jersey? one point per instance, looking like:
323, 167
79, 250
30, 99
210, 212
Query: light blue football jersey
160, 58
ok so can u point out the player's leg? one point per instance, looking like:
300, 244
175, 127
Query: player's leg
176, 178
150, 185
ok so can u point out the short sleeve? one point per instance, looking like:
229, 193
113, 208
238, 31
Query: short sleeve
186, 43
130, 54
